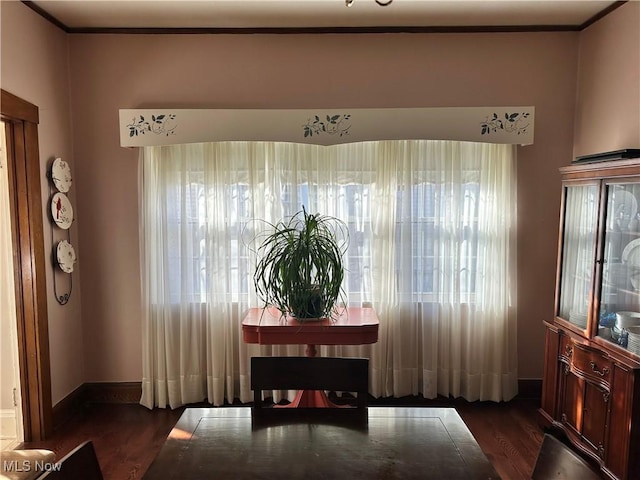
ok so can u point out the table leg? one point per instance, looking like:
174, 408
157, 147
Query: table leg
311, 351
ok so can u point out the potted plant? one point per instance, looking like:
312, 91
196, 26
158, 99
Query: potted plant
300, 268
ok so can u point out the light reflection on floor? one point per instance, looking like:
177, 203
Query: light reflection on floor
178, 434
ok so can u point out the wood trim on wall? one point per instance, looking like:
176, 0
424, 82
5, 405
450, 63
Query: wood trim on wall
87, 393
113, 392
14, 108
107, 392
21, 120
530, 388
603, 13
323, 30
319, 30
131, 392
65, 409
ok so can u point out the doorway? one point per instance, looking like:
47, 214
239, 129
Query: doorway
11, 427
20, 121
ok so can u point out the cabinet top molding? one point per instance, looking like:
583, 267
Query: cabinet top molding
604, 169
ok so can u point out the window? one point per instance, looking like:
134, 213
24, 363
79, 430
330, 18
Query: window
435, 226
437, 244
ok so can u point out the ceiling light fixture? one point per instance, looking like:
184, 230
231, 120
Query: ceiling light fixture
348, 3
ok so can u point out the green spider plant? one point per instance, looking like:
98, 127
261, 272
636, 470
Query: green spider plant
300, 269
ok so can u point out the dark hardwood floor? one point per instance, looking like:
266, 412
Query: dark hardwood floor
127, 437
508, 433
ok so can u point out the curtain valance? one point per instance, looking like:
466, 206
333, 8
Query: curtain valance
168, 126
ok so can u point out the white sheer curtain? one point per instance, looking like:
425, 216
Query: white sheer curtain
432, 229
579, 252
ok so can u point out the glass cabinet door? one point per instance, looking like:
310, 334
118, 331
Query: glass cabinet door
619, 316
578, 253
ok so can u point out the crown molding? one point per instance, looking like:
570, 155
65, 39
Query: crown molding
322, 30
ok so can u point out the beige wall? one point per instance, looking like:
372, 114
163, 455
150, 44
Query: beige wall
608, 105
35, 67
109, 72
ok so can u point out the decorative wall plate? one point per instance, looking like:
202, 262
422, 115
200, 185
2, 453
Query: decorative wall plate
66, 256
61, 175
61, 210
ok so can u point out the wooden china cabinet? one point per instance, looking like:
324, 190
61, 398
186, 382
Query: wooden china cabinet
591, 384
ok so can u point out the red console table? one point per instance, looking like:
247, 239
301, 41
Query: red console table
351, 326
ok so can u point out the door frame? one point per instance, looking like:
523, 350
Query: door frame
21, 119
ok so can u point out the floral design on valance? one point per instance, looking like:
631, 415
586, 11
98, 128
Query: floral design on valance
333, 125
160, 125
512, 123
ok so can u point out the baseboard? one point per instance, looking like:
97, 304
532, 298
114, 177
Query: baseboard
113, 392
7, 413
69, 406
530, 388
107, 392
130, 392
7, 424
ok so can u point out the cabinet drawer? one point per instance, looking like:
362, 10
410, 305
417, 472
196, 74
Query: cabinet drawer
592, 363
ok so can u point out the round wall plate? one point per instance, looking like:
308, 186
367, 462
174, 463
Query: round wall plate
66, 256
61, 175
61, 210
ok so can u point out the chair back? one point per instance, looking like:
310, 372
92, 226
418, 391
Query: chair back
556, 460
79, 464
310, 373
